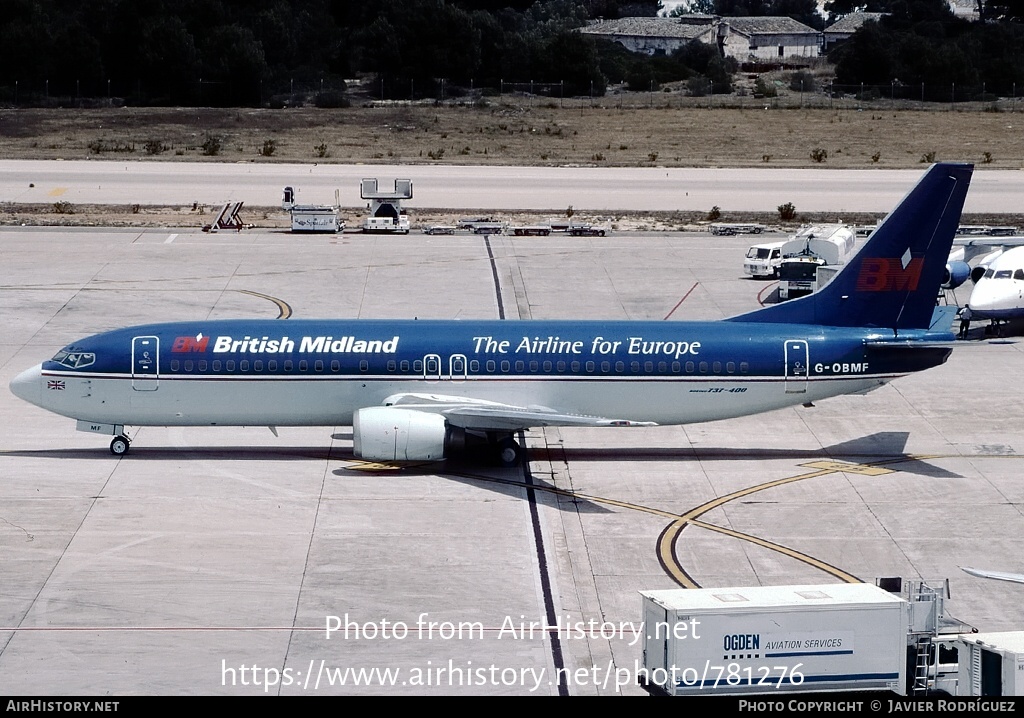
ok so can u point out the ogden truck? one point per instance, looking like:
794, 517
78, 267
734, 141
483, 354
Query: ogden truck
774, 639
823, 245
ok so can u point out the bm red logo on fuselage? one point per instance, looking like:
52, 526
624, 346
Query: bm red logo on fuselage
190, 344
886, 274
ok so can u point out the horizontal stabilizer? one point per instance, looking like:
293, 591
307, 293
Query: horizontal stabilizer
942, 318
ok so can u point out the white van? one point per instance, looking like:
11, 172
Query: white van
763, 260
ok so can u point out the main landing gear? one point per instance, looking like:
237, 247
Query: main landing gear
120, 445
507, 451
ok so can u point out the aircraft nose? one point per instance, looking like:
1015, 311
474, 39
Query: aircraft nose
28, 384
983, 299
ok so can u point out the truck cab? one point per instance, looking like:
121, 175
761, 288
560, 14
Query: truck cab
763, 260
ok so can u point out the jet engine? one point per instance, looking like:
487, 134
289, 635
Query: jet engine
956, 274
383, 433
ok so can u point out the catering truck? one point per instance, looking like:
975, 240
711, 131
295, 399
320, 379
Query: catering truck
822, 245
982, 664
774, 639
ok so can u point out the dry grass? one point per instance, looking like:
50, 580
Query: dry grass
526, 134
533, 132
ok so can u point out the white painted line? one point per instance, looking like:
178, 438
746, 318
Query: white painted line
170, 239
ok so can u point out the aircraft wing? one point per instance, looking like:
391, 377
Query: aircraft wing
997, 575
482, 414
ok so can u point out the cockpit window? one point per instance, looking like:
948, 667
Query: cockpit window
1018, 274
1004, 274
989, 273
74, 360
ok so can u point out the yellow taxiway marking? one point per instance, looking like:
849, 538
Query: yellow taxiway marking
385, 465
670, 536
57, 191
284, 310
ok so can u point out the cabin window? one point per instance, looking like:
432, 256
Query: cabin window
288, 365
202, 365
717, 367
703, 367
574, 367
319, 365
216, 365
272, 365
257, 365
506, 366
175, 365
676, 367
731, 367
534, 366
744, 367
689, 367
520, 366
335, 365
590, 367
392, 365
547, 366
662, 367
243, 365
606, 367
303, 365
230, 365
474, 366
620, 366
491, 365
189, 365
634, 366
417, 366
364, 365
560, 366
649, 367
404, 365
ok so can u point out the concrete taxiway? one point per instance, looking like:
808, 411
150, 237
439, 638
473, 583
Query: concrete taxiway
211, 560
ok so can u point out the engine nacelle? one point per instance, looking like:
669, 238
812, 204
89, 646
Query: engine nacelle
956, 274
383, 433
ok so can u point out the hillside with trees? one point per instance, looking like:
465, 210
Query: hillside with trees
270, 52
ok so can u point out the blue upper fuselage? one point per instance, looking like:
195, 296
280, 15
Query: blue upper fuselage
450, 348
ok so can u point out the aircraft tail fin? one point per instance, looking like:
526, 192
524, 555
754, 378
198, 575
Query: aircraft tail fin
894, 280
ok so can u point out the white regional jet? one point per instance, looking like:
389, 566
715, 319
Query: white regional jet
999, 292
419, 389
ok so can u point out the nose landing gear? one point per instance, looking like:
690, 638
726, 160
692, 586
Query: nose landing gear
120, 445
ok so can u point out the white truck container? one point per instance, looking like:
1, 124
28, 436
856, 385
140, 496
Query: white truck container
988, 664
312, 217
763, 260
812, 247
315, 218
832, 637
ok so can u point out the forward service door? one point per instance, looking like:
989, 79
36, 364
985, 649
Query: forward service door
145, 363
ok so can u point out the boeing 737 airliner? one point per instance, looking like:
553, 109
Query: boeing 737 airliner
417, 389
